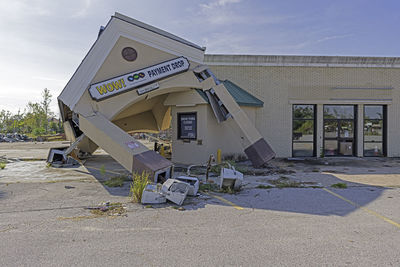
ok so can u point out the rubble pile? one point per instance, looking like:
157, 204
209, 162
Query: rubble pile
14, 137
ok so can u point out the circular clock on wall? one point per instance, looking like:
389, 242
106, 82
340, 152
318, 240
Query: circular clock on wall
129, 54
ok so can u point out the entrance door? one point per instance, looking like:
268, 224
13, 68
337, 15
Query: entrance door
339, 129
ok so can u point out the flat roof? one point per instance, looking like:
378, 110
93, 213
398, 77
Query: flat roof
308, 61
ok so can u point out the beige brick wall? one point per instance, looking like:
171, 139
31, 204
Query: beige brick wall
212, 135
281, 86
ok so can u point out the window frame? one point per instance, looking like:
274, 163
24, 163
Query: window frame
384, 130
340, 139
179, 130
314, 119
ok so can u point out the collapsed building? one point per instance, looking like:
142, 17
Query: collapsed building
137, 78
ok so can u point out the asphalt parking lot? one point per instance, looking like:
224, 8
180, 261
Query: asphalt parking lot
44, 220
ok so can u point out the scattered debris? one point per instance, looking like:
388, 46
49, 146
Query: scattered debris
69, 187
175, 190
152, 194
193, 182
108, 209
230, 178
14, 137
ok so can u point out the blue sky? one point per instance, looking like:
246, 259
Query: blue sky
43, 42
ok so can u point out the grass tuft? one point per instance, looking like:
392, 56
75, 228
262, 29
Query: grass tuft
102, 170
2, 165
285, 182
262, 186
339, 185
117, 181
208, 187
139, 182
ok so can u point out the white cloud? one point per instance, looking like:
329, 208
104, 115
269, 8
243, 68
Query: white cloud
333, 37
219, 3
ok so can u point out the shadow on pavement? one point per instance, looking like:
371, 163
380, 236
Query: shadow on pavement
308, 200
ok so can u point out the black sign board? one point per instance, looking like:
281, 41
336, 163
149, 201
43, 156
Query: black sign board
187, 125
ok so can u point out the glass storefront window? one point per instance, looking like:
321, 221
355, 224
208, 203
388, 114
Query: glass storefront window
331, 129
338, 112
303, 149
331, 148
303, 130
303, 111
339, 123
374, 138
346, 129
373, 149
373, 112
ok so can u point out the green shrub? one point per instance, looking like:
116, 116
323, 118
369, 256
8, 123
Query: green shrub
2, 165
139, 182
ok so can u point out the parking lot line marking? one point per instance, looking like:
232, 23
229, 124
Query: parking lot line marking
364, 208
225, 201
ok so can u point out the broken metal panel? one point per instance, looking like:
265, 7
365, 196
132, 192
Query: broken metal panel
56, 154
192, 181
175, 191
152, 194
230, 178
220, 112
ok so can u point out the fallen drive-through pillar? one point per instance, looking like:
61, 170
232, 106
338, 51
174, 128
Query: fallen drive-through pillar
130, 153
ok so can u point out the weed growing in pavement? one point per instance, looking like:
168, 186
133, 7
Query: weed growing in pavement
139, 182
112, 209
208, 187
102, 170
117, 181
339, 185
285, 182
229, 190
262, 186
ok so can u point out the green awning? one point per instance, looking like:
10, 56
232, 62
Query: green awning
241, 97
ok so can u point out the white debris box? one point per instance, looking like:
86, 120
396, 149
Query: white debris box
175, 191
152, 194
193, 182
231, 178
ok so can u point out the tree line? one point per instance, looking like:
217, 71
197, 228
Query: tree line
37, 119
